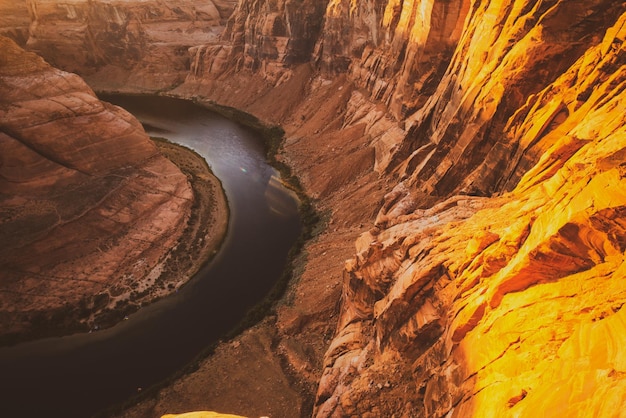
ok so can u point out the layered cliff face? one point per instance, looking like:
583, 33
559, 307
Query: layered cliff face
268, 37
132, 45
89, 209
509, 305
395, 50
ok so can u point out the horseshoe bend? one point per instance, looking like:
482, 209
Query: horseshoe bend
466, 159
91, 210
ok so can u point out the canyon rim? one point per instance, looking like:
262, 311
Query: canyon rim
468, 162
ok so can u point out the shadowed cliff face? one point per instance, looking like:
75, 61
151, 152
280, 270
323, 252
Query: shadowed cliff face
88, 207
266, 37
139, 45
474, 151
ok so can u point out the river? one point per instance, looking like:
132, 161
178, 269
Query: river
79, 375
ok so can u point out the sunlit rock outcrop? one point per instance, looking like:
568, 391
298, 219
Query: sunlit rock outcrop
508, 52
89, 209
201, 414
395, 50
502, 306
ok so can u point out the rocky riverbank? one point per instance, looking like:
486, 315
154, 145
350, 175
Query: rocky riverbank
208, 223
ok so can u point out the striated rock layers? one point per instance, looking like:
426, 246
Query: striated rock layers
268, 37
491, 281
132, 45
509, 305
89, 209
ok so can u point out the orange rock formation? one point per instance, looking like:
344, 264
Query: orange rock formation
508, 305
201, 414
500, 239
474, 151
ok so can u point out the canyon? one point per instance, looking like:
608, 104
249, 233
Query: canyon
90, 209
467, 159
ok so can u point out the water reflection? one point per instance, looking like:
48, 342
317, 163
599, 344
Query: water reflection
280, 201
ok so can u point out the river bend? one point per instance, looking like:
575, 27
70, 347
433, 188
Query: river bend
78, 375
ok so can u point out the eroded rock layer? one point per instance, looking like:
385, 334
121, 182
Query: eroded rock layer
509, 305
89, 209
140, 45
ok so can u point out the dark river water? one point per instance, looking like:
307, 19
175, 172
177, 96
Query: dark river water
78, 375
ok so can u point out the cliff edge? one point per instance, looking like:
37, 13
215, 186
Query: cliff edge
89, 208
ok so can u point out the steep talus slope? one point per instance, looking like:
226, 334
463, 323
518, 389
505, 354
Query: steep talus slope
88, 207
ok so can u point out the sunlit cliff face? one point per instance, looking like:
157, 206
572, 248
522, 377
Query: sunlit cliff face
201, 414
507, 305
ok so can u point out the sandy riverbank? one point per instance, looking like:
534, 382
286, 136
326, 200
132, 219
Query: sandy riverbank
208, 223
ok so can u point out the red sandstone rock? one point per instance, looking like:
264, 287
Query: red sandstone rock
88, 207
133, 45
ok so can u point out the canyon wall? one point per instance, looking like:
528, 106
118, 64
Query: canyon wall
491, 273
489, 284
89, 209
507, 305
473, 152
139, 45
